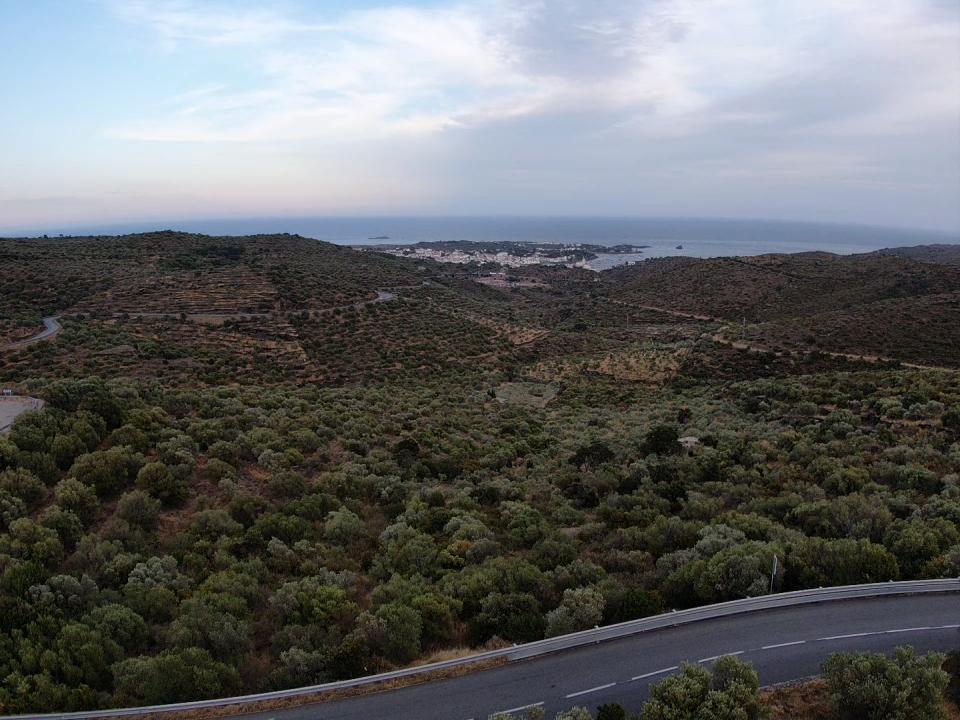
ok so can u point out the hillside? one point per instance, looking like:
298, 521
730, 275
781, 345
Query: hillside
777, 286
198, 309
923, 329
268, 462
870, 305
213, 309
173, 272
942, 253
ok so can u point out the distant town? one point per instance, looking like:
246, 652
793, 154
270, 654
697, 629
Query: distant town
505, 253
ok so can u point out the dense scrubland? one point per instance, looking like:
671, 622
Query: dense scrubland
276, 487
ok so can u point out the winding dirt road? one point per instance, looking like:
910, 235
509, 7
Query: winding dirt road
718, 337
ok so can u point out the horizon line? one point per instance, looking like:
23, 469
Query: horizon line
84, 229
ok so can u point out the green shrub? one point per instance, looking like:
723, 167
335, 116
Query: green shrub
870, 686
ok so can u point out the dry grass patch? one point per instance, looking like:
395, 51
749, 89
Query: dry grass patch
527, 393
800, 701
810, 701
641, 365
456, 653
324, 696
515, 334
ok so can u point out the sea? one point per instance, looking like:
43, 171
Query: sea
665, 236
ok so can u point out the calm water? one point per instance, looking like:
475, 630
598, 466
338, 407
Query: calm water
700, 238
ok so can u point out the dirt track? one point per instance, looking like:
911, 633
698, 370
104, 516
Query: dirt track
718, 337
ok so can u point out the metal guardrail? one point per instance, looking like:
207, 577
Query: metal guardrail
562, 642
732, 607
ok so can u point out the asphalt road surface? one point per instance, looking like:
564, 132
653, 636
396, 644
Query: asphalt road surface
51, 328
13, 407
783, 644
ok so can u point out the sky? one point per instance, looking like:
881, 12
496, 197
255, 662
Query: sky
820, 110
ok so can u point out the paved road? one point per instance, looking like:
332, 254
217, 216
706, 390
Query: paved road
785, 644
51, 328
12, 407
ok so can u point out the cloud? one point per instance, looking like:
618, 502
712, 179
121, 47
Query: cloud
580, 105
185, 21
401, 70
657, 66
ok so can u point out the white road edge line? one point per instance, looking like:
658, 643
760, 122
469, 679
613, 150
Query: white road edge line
717, 657
593, 689
655, 672
781, 645
887, 632
516, 709
853, 635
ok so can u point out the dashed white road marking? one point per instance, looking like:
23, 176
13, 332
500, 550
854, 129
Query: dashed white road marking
517, 709
717, 657
591, 690
663, 671
655, 672
781, 645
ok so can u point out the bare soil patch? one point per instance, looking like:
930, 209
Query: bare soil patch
527, 393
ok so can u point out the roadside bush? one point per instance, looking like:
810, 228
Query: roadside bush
580, 609
732, 692
871, 686
172, 676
